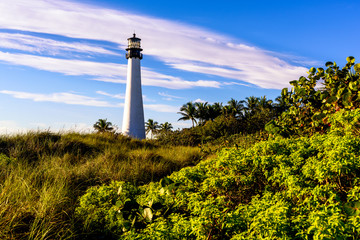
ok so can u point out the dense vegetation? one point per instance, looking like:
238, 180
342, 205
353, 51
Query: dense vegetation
297, 188
314, 99
297, 180
303, 187
43, 174
212, 122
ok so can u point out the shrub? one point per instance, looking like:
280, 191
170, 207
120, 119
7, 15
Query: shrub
313, 99
304, 188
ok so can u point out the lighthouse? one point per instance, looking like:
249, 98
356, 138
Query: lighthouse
133, 119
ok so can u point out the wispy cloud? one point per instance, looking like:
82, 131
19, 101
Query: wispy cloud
64, 97
117, 96
107, 72
76, 99
200, 100
169, 97
40, 45
174, 43
162, 108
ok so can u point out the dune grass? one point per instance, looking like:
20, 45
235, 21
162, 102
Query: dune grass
43, 174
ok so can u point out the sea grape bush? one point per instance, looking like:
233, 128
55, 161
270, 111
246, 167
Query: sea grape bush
313, 99
297, 188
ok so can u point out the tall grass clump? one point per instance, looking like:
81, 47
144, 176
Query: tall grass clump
43, 174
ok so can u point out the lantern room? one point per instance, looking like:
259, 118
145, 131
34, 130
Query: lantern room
134, 48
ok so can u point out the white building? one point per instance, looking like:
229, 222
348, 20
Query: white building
133, 119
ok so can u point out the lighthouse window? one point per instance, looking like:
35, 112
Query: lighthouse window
134, 44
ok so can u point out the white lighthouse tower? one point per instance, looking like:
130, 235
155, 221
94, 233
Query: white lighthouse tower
133, 119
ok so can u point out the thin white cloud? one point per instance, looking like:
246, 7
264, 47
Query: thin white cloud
65, 66
67, 98
117, 96
168, 96
161, 108
174, 43
76, 99
122, 96
107, 72
200, 100
47, 46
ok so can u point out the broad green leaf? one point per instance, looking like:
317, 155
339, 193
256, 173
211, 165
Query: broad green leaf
318, 116
166, 181
357, 67
294, 82
118, 203
353, 86
340, 92
320, 70
328, 64
284, 92
350, 59
352, 208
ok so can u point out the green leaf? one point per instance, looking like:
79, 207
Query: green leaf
166, 181
350, 59
294, 83
357, 67
312, 70
320, 70
318, 116
340, 92
324, 95
118, 203
353, 86
126, 226
346, 98
352, 208
329, 64
284, 92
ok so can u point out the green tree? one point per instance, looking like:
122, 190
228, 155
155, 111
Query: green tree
215, 110
202, 113
251, 103
102, 125
188, 112
166, 127
280, 105
235, 108
151, 126
313, 99
264, 103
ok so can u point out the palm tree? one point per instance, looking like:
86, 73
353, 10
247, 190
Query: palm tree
251, 104
102, 125
215, 110
166, 127
151, 126
201, 112
235, 107
188, 112
265, 103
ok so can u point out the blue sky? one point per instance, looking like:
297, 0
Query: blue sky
62, 63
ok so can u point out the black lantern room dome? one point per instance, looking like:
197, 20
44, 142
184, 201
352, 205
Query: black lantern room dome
134, 49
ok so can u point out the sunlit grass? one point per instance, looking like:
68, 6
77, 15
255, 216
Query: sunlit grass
43, 174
